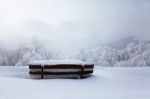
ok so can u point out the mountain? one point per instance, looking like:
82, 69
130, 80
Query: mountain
122, 43
35, 26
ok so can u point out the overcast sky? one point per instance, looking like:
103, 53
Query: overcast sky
74, 22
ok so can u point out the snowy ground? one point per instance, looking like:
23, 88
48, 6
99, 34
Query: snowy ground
106, 83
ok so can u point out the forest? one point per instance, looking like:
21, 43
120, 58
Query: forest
134, 54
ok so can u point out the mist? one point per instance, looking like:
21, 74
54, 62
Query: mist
68, 25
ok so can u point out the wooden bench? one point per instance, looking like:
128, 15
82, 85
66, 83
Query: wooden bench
60, 70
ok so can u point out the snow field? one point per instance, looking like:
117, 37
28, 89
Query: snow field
106, 83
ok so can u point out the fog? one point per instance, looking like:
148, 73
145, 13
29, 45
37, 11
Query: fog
72, 24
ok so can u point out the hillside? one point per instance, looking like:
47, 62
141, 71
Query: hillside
122, 43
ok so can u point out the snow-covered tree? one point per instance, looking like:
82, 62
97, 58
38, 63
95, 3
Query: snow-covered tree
34, 50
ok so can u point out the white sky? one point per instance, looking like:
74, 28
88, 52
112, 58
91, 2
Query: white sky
51, 11
86, 22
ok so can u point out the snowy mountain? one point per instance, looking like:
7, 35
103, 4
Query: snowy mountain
135, 54
122, 43
35, 26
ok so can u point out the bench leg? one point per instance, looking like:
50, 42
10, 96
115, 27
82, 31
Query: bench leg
42, 73
81, 72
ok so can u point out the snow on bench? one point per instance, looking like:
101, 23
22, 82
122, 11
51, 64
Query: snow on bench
60, 69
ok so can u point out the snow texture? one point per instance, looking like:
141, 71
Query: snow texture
106, 83
56, 62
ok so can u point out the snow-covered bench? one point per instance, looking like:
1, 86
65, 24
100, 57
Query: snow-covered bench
60, 69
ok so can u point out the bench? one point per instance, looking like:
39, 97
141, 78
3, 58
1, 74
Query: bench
59, 70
